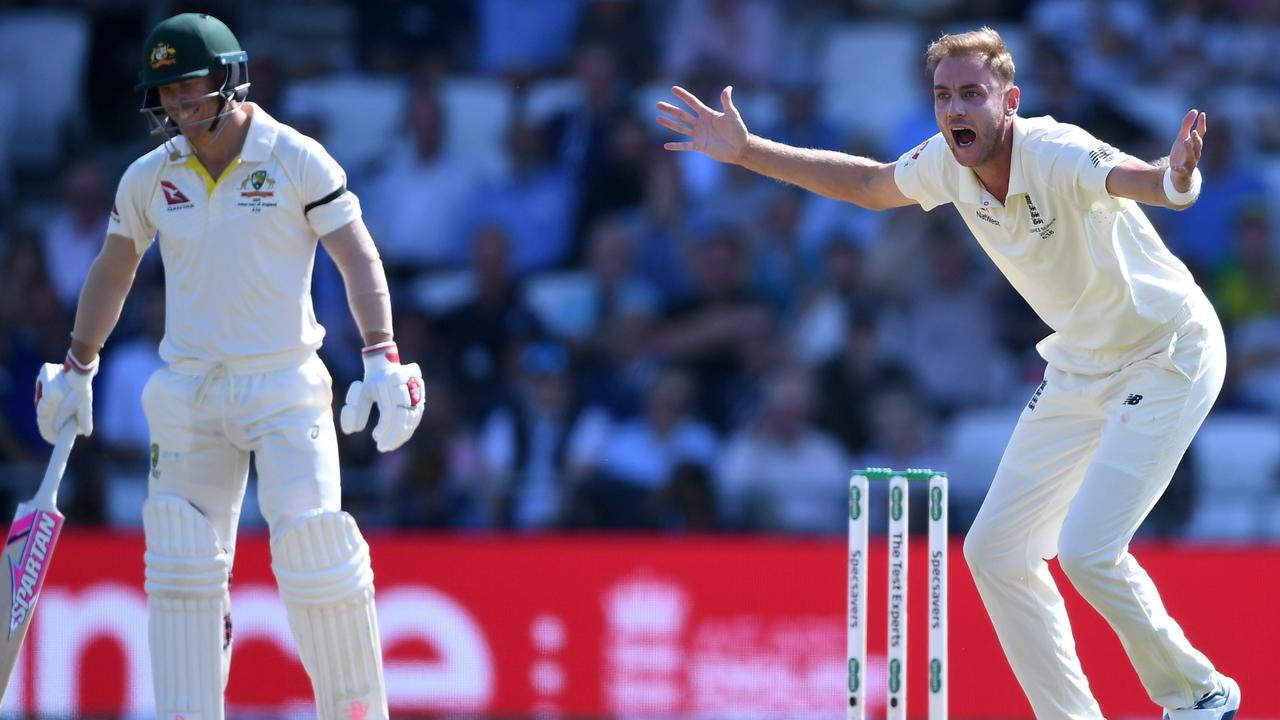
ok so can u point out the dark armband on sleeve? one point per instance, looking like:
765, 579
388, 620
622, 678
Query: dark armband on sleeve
325, 200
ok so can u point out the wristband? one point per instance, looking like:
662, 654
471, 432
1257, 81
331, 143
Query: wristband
1182, 198
386, 351
73, 363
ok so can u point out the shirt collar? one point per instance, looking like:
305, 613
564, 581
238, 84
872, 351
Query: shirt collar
970, 189
261, 139
1017, 180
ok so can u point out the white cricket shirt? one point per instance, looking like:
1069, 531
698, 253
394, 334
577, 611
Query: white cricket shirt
1089, 264
237, 251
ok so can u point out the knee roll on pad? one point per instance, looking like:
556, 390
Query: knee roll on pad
321, 563
187, 579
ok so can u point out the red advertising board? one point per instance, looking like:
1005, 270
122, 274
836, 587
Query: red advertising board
594, 625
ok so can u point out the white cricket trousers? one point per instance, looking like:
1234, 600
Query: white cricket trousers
1088, 460
205, 420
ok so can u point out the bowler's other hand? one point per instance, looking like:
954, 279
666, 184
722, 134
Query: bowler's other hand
722, 135
1185, 154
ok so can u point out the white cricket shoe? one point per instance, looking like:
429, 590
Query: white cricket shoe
1221, 704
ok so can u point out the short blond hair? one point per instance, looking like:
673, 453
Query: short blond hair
983, 42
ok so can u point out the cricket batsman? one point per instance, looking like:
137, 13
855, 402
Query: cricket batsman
1135, 361
238, 201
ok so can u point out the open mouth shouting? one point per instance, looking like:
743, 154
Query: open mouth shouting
963, 136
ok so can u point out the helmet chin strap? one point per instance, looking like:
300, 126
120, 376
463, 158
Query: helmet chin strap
163, 124
217, 117
215, 126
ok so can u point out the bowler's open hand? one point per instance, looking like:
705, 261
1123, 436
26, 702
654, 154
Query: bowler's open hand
1185, 154
722, 135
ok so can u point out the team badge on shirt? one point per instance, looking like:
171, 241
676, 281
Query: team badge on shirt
257, 191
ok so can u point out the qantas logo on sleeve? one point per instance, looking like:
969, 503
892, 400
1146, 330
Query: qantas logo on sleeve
173, 196
916, 155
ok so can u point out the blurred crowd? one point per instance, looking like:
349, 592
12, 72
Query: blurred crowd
615, 336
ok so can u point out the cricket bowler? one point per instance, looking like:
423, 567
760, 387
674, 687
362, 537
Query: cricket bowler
1135, 361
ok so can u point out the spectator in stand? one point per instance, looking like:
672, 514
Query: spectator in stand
597, 140
821, 321
903, 436
417, 203
391, 34
439, 475
711, 333
608, 282
800, 124
74, 235
1244, 285
1254, 372
688, 502
851, 378
620, 361
521, 39
1060, 94
31, 328
739, 35
660, 228
945, 330
778, 271
628, 463
535, 205
1114, 52
525, 443
741, 198
780, 472
624, 26
483, 333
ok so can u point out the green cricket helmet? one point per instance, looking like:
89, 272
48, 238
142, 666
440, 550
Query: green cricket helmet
186, 46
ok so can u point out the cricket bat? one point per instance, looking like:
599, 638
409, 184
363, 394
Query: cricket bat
29, 548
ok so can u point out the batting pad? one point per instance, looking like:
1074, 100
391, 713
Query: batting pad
321, 563
188, 576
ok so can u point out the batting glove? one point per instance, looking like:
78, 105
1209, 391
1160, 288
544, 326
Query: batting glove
398, 391
64, 393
